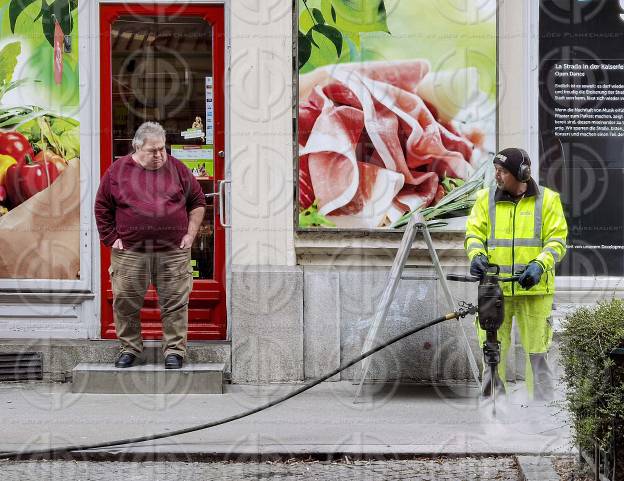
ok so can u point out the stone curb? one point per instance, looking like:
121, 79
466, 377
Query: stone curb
537, 468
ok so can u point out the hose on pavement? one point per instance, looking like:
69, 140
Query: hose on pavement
463, 311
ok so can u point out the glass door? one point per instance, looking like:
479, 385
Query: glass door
164, 63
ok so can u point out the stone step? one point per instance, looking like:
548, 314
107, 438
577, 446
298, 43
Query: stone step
105, 378
60, 356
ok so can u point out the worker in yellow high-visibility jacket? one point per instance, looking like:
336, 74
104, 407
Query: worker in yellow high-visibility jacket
520, 226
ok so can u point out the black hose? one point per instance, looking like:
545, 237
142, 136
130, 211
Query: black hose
81, 447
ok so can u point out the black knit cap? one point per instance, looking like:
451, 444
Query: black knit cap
512, 159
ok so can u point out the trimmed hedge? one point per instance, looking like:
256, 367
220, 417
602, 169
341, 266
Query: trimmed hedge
589, 335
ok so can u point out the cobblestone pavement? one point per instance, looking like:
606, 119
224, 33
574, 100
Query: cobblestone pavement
452, 469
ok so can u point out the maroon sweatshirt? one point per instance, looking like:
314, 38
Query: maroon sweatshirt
146, 209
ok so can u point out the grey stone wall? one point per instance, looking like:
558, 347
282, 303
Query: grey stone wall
340, 304
60, 356
295, 323
267, 324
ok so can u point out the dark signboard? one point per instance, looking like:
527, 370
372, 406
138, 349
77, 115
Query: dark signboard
581, 125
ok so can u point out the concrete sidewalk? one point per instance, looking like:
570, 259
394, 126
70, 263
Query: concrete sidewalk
391, 421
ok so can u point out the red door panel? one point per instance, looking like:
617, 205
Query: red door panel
132, 36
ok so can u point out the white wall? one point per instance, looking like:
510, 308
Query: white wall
513, 75
261, 152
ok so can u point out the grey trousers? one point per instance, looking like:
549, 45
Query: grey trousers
170, 273
542, 379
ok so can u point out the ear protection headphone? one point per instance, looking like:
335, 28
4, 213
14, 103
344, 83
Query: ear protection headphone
524, 171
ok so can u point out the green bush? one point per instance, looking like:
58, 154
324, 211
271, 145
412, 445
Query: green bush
588, 337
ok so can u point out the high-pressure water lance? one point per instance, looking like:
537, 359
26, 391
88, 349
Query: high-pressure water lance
491, 311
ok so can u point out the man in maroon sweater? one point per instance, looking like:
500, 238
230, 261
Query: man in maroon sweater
148, 208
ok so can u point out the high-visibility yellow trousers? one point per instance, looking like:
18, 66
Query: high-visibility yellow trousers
532, 315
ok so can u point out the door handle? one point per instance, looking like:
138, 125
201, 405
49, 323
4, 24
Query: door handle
221, 195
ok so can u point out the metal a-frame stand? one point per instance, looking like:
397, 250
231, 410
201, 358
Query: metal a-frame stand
415, 225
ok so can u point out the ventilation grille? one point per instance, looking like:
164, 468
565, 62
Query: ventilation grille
21, 366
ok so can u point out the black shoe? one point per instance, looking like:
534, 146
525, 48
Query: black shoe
173, 361
125, 359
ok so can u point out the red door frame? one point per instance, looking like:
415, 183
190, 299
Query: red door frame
207, 305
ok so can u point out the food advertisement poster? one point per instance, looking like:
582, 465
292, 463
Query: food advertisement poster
396, 111
39, 140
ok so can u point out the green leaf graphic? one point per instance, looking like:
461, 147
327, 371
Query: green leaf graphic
305, 49
332, 34
353, 17
311, 218
15, 9
59, 9
8, 61
318, 16
361, 15
306, 21
326, 44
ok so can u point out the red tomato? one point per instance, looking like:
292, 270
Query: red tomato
23, 180
15, 145
51, 157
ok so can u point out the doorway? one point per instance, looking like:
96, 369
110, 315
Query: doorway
165, 63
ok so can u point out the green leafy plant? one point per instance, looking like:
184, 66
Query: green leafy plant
8, 62
589, 335
44, 129
450, 183
33, 24
459, 199
59, 10
310, 217
354, 17
331, 34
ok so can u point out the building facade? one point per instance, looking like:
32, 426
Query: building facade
275, 300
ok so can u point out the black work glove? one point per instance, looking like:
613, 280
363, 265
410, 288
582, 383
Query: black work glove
479, 266
531, 275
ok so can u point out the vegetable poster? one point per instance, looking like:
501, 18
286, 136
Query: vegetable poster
39, 140
397, 109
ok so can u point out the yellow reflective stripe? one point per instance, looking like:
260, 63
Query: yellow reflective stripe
537, 216
472, 236
473, 248
537, 224
515, 242
553, 252
473, 242
556, 239
528, 242
516, 268
492, 213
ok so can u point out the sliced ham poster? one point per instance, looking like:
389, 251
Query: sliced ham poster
396, 108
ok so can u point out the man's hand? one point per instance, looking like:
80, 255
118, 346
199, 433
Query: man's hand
479, 266
118, 244
531, 275
195, 219
187, 241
